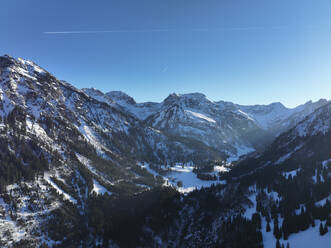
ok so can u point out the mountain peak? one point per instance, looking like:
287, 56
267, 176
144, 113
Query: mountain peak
6, 61
320, 101
172, 98
21, 66
119, 96
93, 91
191, 98
277, 104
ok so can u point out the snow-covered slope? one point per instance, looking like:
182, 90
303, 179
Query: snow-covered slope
124, 102
308, 141
195, 116
65, 121
46, 125
317, 123
276, 118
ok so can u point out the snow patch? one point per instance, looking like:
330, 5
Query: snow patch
66, 196
293, 173
308, 238
99, 189
252, 209
322, 202
201, 116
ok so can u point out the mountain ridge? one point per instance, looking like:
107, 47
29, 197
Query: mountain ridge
226, 128
196, 96
79, 168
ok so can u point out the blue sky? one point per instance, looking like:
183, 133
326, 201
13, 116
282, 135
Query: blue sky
248, 52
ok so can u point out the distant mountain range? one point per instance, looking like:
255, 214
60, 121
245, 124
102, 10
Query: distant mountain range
230, 129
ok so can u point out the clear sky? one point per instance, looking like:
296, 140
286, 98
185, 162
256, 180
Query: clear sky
256, 51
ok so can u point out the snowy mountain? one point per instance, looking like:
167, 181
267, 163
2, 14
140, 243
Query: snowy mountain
68, 146
308, 141
80, 168
231, 129
276, 118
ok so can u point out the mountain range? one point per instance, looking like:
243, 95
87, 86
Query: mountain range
230, 129
74, 160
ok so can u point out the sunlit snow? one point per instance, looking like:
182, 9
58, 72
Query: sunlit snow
99, 189
184, 173
201, 116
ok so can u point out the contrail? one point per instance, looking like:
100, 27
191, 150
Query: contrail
150, 30
168, 30
112, 31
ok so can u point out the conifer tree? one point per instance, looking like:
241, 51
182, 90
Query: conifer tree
278, 244
321, 230
256, 219
277, 232
275, 229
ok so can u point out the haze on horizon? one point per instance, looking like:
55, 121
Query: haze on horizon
254, 52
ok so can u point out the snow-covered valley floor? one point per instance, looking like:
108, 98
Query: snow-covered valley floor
183, 174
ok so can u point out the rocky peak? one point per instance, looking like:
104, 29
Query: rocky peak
317, 104
188, 100
171, 99
20, 68
120, 97
6, 61
93, 92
